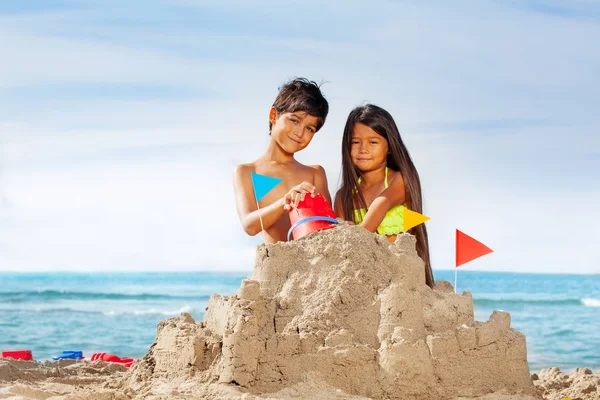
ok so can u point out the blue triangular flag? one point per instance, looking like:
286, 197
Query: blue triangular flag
263, 184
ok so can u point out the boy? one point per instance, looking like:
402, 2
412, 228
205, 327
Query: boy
298, 112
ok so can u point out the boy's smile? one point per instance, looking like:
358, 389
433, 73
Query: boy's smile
293, 131
298, 112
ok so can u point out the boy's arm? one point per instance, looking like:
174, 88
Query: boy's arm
250, 216
320, 180
391, 197
246, 203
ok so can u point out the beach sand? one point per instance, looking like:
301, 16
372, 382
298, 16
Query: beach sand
341, 314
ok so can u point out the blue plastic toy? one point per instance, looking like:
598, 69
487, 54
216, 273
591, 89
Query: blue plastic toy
69, 354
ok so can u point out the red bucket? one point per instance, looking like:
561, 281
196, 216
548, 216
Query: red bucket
18, 355
312, 214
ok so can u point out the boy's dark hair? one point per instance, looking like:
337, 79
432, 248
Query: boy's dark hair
301, 94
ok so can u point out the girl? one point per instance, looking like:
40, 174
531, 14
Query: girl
379, 178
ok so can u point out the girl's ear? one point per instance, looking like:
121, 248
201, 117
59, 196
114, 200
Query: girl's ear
272, 115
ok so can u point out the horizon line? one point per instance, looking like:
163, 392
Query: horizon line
233, 272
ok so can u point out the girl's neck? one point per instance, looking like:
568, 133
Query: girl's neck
275, 153
374, 177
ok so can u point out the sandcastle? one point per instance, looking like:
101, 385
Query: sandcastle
346, 310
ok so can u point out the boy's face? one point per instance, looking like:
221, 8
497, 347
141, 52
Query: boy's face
293, 131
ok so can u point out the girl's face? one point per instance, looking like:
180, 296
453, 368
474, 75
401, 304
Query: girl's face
368, 149
293, 131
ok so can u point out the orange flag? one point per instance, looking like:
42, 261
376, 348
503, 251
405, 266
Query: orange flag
468, 249
412, 219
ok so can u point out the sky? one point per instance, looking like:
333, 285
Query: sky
121, 123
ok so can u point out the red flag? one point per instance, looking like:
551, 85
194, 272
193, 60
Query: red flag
468, 249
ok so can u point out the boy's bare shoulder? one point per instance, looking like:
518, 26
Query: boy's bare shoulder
242, 173
305, 169
245, 168
317, 170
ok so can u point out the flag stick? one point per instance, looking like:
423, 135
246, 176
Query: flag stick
455, 276
262, 228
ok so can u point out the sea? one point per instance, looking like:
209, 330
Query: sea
118, 312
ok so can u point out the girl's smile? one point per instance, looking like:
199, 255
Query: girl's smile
379, 179
368, 149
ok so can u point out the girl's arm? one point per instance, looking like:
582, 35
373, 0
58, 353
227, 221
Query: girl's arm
250, 216
394, 195
320, 180
338, 207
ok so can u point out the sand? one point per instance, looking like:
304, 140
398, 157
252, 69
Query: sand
341, 314
64, 379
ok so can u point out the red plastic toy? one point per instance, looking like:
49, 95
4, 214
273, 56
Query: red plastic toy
18, 355
312, 214
127, 362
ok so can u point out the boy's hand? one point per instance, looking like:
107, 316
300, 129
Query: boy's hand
297, 193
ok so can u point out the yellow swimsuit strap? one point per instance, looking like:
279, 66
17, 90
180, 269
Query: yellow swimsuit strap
393, 221
385, 181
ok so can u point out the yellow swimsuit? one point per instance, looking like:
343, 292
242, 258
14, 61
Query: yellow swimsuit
393, 222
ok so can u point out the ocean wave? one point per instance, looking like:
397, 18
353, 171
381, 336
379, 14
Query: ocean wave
588, 302
48, 295
67, 310
112, 313
562, 332
151, 311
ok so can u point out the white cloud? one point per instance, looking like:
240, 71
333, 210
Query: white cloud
174, 215
496, 112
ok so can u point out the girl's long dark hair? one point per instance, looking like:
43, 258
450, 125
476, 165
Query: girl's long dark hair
382, 122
